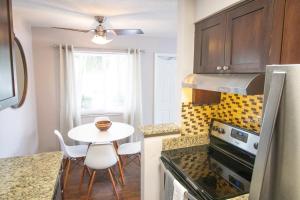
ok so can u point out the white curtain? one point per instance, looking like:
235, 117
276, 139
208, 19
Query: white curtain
69, 104
102, 79
71, 82
134, 114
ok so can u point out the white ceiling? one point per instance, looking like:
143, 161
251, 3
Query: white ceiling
156, 17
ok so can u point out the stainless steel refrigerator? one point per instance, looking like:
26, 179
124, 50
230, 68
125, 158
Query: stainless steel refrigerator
276, 174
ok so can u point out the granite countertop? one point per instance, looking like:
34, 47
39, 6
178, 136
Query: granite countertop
184, 141
30, 177
160, 130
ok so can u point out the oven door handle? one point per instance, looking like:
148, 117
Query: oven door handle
191, 197
267, 132
165, 170
191, 183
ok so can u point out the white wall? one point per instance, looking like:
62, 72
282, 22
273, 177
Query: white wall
18, 127
185, 45
205, 8
46, 73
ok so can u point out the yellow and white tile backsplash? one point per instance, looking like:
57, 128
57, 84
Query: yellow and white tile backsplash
195, 120
239, 110
242, 111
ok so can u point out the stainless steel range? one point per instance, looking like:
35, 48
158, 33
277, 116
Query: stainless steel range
220, 170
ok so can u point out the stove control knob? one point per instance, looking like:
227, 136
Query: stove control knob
215, 128
221, 130
255, 145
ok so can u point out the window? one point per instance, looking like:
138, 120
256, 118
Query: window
102, 81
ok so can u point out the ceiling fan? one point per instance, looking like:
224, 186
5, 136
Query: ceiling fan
100, 36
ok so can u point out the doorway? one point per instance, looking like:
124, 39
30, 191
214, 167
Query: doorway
164, 88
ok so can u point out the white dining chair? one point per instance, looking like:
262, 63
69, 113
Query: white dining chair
129, 150
99, 157
116, 146
70, 153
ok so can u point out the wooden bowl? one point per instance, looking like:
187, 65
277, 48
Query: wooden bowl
103, 125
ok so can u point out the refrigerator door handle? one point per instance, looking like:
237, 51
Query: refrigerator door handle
268, 124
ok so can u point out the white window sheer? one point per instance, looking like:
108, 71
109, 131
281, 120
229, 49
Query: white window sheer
109, 83
103, 80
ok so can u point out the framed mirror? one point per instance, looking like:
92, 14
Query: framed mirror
21, 71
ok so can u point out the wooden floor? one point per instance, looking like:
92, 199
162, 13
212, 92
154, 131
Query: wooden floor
102, 187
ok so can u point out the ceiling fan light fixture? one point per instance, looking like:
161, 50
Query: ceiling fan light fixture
98, 39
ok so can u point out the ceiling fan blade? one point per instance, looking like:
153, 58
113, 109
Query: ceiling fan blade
125, 31
74, 29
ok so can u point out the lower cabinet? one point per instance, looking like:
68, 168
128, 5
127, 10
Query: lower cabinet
152, 147
58, 193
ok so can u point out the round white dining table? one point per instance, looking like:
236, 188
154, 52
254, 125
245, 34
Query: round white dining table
91, 134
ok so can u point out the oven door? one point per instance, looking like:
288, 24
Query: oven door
193, 194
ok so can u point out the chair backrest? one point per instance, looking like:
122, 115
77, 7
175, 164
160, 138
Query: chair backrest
101, 156
102, 118
63, 146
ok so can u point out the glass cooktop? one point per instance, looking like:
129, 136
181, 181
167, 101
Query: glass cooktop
210, 172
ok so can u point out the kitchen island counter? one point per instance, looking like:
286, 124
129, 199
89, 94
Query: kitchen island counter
160, 130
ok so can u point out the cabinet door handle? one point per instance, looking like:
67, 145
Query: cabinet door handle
225, 68
219, 68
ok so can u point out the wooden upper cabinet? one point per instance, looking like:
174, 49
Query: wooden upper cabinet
233, 41
285, 41
291, 33
246, 38
209, 45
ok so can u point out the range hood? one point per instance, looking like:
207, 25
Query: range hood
244, 84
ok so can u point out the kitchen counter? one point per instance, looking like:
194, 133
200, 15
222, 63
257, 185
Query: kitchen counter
152, 145
185, 141
160, 130
30, 177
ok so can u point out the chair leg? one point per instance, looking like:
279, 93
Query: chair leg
65, 162
113, 183
89, 171
115, 177
121, 172
124, 159
67, 173
116, 145
91, 183
119, 163
81, 177
139, 156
